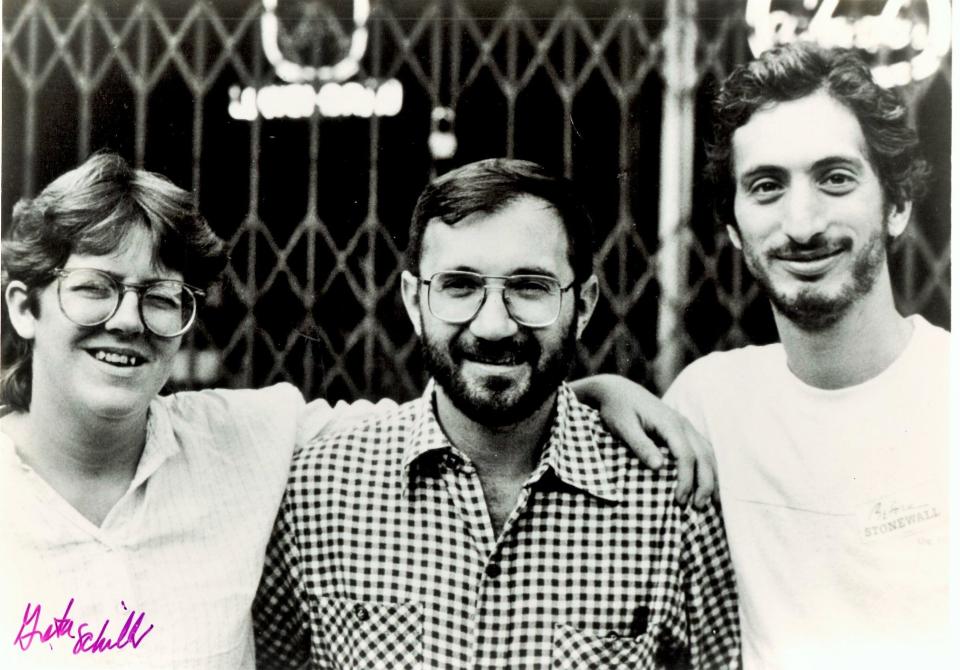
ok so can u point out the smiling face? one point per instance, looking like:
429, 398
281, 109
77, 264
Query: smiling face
810, 211
113, 370
493, 370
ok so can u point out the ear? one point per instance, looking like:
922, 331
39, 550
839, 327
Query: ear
22, 318
734, 236
586, 302
898, 218
410, 290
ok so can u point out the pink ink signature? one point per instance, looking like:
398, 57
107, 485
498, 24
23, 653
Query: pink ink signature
84, 639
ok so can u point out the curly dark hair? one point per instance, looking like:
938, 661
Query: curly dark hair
795, 71
90, 210
489, 185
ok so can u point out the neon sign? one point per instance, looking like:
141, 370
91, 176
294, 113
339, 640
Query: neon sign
294, 73
893, 29
322, 89
298, 101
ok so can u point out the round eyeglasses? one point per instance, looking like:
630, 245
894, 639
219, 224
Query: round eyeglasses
91, 297
531, 300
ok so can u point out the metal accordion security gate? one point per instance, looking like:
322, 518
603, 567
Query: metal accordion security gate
612, 93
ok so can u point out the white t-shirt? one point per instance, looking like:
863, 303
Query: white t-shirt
835, 504
184, 546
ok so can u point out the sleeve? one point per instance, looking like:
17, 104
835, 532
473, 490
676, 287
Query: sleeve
710, 591
281, 613
320, 419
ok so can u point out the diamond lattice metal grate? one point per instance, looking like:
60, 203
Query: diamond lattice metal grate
315, 210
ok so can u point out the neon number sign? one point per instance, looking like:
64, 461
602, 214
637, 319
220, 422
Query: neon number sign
892, 29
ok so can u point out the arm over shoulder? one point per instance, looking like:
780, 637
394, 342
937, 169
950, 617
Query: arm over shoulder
321, 419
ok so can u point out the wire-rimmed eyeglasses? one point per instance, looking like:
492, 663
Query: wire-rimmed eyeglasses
91, 297
533, 301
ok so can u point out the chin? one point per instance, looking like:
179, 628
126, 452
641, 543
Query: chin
117, 405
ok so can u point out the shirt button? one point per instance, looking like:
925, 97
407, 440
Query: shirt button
361, 612
493, 570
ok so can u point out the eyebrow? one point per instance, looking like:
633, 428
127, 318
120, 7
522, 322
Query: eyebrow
819, 165
121, 278
535, 270
531, 270
831, 161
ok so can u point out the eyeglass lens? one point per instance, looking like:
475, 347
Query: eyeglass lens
530, 300
90, 297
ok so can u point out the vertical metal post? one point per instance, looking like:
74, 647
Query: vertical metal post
372, 223
85, 83
568, 91
510, 89
141, 84
676, 183
30, 108
311, 226
251, 224
624, 351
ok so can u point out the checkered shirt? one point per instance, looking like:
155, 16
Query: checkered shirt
383, 556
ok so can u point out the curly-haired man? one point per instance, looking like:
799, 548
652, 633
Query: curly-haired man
832, 443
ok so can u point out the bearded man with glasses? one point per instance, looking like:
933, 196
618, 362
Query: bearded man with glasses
494, 522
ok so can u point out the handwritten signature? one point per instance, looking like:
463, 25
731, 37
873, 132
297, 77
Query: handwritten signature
85, 640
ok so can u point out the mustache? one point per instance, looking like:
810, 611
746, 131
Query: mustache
499, 352
817, 247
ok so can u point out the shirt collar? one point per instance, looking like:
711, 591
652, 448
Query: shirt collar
161, 443
426, 435
571, 453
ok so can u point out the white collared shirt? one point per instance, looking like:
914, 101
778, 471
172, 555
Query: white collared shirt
184, 546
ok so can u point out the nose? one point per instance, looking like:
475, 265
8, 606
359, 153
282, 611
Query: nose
493, 322
127, 317
804, 215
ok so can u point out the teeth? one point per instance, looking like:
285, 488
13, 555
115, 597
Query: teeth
117, 359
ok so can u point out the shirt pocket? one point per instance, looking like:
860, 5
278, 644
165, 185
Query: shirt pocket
362, 635
574, 649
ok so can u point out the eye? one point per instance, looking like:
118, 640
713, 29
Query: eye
90, 286
532, 287
163, 297
765, 188
838, 182
457, 284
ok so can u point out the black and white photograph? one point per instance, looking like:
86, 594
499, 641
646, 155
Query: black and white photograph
477, 334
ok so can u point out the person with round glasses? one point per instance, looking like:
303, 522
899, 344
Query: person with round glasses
134, 523
91, 297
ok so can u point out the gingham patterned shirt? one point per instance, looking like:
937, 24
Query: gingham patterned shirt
384, 556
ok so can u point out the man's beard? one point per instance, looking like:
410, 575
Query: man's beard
809, 308
498, 402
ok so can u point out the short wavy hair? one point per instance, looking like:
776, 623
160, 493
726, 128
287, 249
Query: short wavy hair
800, 69
90, 210
489, 185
